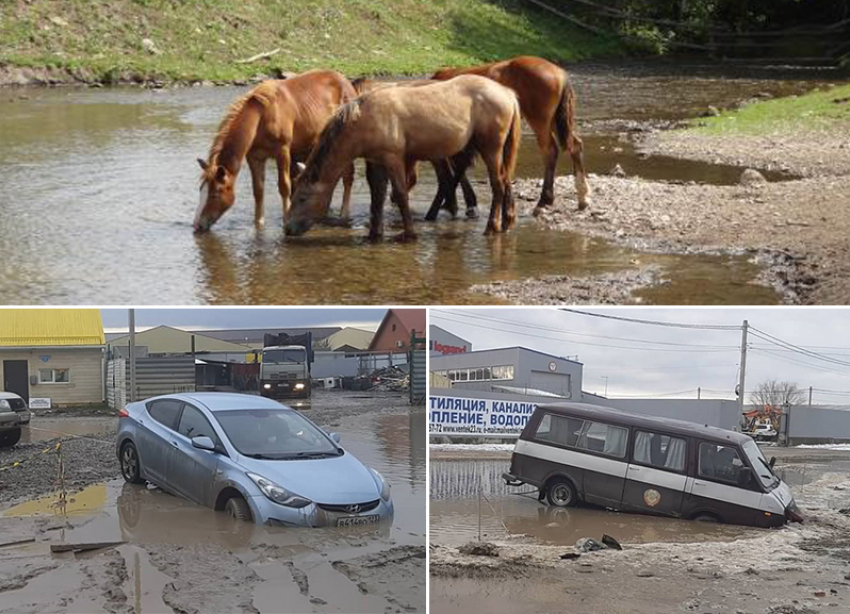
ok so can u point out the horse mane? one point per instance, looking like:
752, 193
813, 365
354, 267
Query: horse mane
361, 85
264, 94
327, 139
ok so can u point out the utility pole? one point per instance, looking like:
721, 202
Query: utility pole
131, 316
605, 377
742, 379
699, 393
810, 396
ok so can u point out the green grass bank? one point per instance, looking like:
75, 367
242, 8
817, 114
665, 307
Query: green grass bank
825, 109
188, 40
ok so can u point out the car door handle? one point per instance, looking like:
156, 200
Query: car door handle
174, 443
698, 483
632, 468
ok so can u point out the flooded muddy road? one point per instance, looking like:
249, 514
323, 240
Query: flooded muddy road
166, 554
100, 186
666, 565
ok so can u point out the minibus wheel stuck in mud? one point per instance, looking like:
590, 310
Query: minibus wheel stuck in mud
579, 453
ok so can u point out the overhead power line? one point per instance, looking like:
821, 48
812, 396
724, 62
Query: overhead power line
653, 322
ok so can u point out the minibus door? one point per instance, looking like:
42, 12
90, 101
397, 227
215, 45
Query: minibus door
655, 478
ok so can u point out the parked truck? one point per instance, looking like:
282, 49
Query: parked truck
285, 366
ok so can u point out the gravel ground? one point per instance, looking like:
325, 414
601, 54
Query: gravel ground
87, 461
798, 229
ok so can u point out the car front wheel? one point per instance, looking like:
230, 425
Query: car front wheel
10, 438
237, 508
130, 465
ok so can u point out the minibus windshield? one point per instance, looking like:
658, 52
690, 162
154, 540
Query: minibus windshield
760, 465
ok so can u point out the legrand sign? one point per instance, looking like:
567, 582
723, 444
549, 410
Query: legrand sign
462, 415
449, 349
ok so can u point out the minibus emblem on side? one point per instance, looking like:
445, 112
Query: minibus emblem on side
651, 497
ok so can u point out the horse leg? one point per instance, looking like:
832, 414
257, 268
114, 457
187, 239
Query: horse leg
376, 177
493, 160
469, 198
508, 204
549, 150
284, 184
258, 181
347, 182
576, 149
399, 182
443, 172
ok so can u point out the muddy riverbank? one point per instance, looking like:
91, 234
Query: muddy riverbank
665, 565
173, 556
795, 230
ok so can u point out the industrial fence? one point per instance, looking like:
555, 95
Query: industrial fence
154, 376
813, 424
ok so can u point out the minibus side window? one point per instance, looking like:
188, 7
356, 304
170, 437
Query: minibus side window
660, 451
559, 429
604, 438
719, 462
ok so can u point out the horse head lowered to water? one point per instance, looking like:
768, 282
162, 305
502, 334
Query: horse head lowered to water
278, 119
394, 127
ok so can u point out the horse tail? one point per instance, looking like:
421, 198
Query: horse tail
361, 85
511, 147
565, 118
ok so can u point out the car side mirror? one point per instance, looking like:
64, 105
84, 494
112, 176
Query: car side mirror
203, 442
335, 437
745, 474
772, 462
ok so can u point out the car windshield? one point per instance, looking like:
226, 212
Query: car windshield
275, 434
760, 465
279, 356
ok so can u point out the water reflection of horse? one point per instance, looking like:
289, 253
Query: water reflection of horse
394, 127
279, 119
548, 105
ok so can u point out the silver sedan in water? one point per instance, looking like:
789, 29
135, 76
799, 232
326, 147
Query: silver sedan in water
250, 456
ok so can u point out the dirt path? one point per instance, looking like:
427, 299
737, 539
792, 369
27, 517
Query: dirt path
798, 229
800, 569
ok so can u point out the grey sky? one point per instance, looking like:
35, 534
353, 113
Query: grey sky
229, 317
708, 360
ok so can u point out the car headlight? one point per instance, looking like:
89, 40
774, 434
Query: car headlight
382, 482
299, 386
278, 494
4, 404
267, 386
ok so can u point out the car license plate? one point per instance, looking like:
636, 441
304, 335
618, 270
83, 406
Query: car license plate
353, 521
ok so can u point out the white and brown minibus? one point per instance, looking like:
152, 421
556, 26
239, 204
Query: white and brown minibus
575, 452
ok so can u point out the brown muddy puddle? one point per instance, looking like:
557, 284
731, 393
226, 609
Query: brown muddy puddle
297, 570
100, 187
42, 429
503, 514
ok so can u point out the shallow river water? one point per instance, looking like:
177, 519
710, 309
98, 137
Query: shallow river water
99, 187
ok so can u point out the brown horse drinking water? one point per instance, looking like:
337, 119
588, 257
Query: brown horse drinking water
548, 105
394, 127
279, 119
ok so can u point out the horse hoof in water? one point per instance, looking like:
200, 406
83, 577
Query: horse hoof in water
472, 213
539, 210
406, 237
583, 204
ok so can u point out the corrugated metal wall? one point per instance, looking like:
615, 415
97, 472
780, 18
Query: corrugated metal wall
154, 376
418, 377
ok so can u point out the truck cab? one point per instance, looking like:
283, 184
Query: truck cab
285, 372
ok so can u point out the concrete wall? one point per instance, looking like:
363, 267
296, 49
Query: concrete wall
816, 424
86, 365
